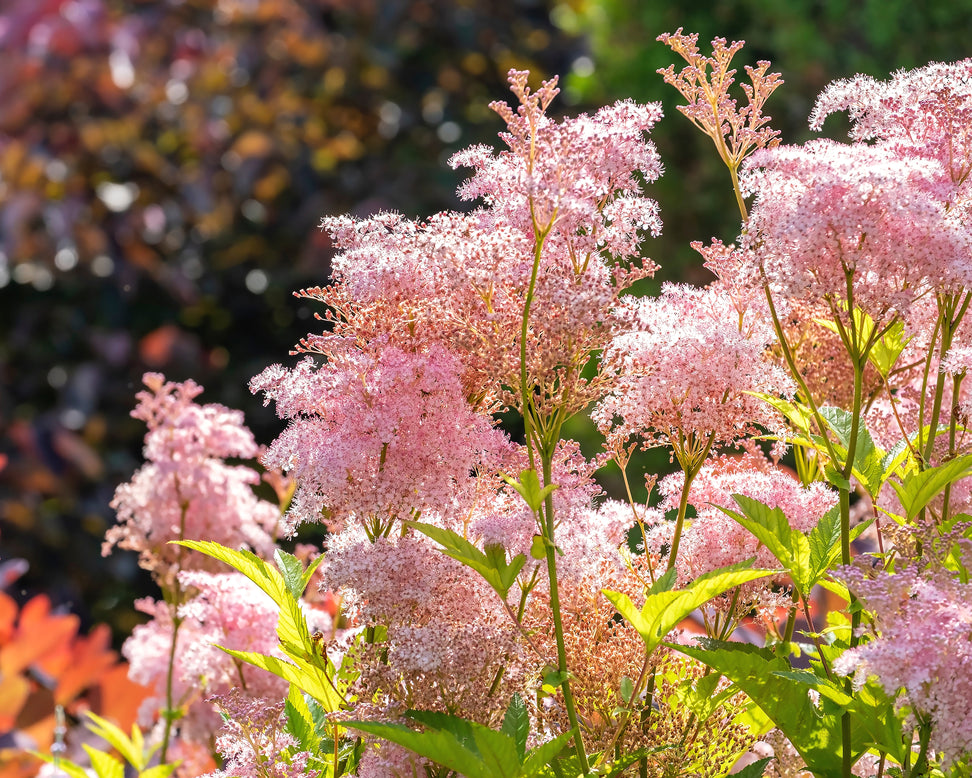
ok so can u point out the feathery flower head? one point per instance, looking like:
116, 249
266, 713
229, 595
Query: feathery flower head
923, 621
830, 215
185, 490
566, 173
375, 433
685, 365
926, 111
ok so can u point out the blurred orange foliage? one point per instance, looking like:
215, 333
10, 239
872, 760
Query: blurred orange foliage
45, 662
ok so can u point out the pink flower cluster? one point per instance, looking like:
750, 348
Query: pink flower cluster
685, 366
925, 112
922, 623
225, 609
831, 220
566, 196
715, 540
386, 434
186, 490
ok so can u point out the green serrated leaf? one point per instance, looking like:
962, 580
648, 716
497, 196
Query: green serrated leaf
664, 582
898, 456
664, 610
824, 540
300, 724
701, 697
516, 724
309, 677
868, 465
491, 564
292, 626
835, 478
292, 571
309, 572
815, 731
772, 529
468, 748
919, 489
541, 756
798, 415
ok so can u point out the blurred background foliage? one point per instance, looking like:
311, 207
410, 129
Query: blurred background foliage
164, 165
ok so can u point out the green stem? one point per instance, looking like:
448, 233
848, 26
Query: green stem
525, 394
734, 173
951, 313
795, 372
175, 600
920, 768
691, 463
548, 528
952, 430
859, 359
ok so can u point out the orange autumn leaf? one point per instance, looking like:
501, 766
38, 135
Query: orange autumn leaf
90, 658
38, 633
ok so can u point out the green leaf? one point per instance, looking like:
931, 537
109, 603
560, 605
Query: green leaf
491, 564
875, 711
72, 769
814, 731
664, 582
300, 723
468, 748
824, 542
553, 678
538, 547
772, 529
309, 677
568, 765
888, 349
627, 689
664, 610
159, 771
529, 489
901, 451
919, 489
871, 708
868, 458
516, 724
701, 697
540, 757
800, 416
105, 765
125, 746
292, 571
292, 626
